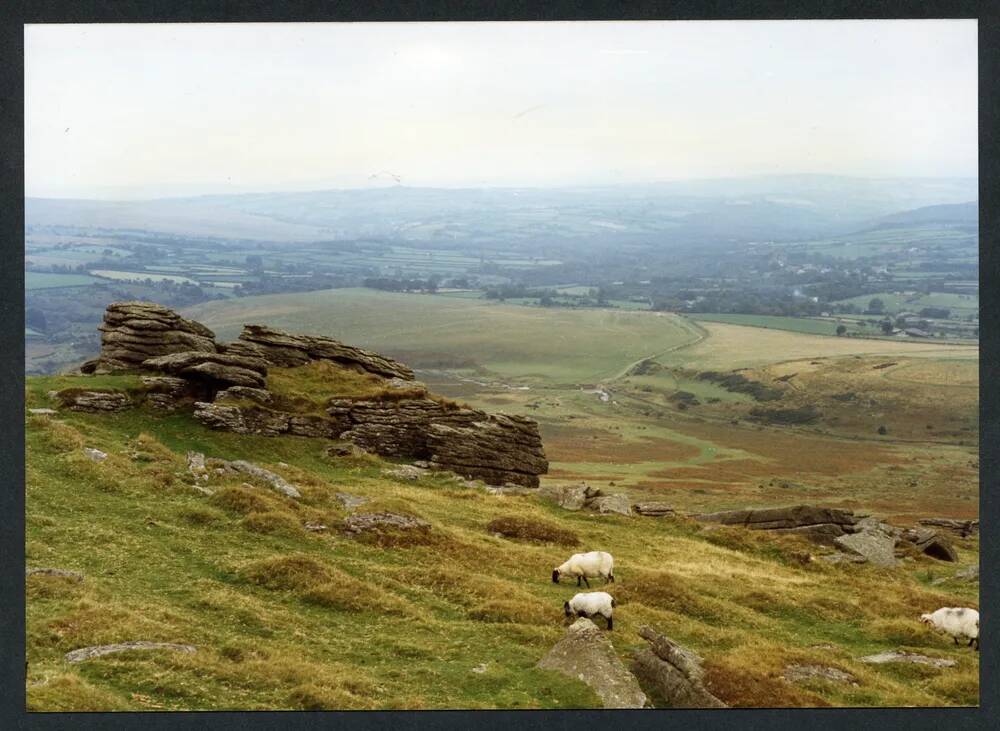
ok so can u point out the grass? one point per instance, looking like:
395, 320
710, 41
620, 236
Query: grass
793, 324
285, 618
533, 345
48, 280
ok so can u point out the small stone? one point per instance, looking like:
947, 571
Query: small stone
95, 454
349, 501
907, 657
801, 673
86, 653
480, 668
315, 527
42, 412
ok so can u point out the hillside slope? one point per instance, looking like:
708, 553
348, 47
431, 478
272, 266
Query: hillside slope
287, 617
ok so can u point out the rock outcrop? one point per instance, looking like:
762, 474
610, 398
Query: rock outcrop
674, 671
219, 370
585, 653
76, 399
876, 548
584, 496
816, 523
287, 350
901, 656
654, 509
133, 332
497, 449
226, 385
964, 528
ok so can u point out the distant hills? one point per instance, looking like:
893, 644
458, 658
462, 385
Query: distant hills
957, 213
765, 207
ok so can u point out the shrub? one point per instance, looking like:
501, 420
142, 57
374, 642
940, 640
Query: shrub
530, 529
201, 516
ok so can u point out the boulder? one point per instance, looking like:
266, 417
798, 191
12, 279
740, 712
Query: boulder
241, 420
653, 509
968, 574
245, 393
964, 528
94, 401
406, 472
806, 673
586, 653
931, 543
286, 350
877, 549
133, 332
218, 370
380, 522
42, 412
95, 454
275, 482
569, 497
673, 670
611, 504
819, 524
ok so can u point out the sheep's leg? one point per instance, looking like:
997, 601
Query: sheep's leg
971, 640
956, 640
612, 577
578, 581
585, 582
611, 623
977, 643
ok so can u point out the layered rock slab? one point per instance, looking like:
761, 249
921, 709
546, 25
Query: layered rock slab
133, 332
586, 653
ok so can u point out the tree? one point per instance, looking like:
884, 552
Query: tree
886, 327
841, 329
876, 306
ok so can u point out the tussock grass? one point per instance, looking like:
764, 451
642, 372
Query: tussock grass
272, 521
531, 529
292, 620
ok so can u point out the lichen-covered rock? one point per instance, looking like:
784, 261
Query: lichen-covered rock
901, 656
806, 673
612, 504
930, 543
876, 548
133, 332
653, 509
218, 369
245, 393
241, 420
383, 521
94, 401
586, 653
497, 449
286, 350
272, 480
819, 524
674, 671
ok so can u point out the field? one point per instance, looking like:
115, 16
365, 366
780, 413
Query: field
284, 618
961, 305
811, 325
524, 344
46, 280
140, 276
554, 365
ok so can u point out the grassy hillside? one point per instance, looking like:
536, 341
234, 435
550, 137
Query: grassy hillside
286, 618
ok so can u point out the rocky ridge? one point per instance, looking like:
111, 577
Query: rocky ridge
225, 386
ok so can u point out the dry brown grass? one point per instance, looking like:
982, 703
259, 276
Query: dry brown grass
517, 612
532, 529
241, 500
743, 686
272, 521
297, 571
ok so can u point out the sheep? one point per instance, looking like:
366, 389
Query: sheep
955, 621
584, 565
590, 603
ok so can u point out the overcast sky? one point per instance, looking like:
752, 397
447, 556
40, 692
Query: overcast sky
146, 110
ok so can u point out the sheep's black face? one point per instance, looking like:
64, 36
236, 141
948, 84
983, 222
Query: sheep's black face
555, 576
569, 612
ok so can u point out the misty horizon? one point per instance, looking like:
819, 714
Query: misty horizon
159, 110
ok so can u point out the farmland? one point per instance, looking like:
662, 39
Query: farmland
554, 364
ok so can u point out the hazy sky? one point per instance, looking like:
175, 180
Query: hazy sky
144, 110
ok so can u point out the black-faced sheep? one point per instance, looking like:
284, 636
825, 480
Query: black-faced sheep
587, 565
591, 603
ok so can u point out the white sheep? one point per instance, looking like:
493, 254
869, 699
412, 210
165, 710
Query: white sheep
587, 565
591, 603
955, 621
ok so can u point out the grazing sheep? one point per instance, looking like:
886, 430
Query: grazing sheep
587, 565
955, 621
591, 603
